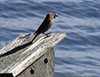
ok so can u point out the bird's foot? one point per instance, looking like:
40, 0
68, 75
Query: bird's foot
48, 34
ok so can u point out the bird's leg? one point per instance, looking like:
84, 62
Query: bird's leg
47, 35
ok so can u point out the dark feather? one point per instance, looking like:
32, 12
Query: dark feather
43, 27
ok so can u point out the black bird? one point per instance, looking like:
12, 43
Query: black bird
46, 24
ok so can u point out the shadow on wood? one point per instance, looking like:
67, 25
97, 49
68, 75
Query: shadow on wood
15, 49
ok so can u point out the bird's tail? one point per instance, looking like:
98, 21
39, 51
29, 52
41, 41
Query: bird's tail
36, 34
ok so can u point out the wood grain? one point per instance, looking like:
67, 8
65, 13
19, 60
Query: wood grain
20, 53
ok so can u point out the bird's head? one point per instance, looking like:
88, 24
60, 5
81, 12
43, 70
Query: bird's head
51, 15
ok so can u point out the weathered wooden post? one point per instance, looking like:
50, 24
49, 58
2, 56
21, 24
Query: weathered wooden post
21, 58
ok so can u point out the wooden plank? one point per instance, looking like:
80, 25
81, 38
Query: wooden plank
41, 68
19, 54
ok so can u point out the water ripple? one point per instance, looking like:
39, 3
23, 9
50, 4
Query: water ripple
79, 52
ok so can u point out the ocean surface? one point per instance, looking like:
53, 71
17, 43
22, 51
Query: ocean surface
78, 55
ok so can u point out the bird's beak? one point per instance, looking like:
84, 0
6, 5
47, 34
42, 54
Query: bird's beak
55, 15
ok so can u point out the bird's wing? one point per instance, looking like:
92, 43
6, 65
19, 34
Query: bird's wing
43, 26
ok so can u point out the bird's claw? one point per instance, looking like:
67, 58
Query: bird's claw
48, 34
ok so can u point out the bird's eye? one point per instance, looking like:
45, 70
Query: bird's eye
52, 15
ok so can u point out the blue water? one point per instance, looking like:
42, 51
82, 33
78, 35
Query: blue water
75, 56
